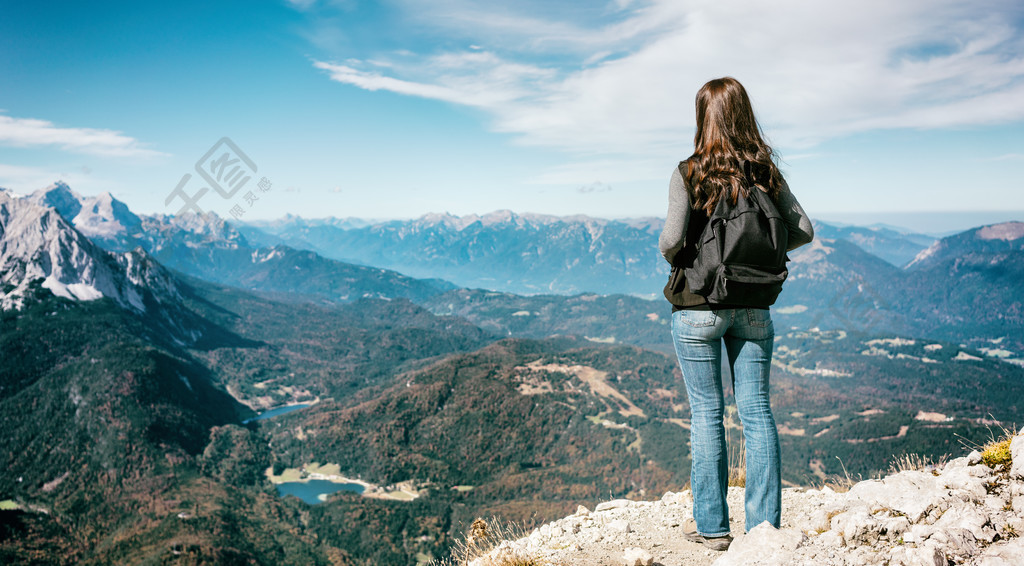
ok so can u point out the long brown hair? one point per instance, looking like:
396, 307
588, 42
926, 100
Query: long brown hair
727, 135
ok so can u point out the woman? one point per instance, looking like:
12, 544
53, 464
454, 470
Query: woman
727, 136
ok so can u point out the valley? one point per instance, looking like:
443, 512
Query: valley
153, 412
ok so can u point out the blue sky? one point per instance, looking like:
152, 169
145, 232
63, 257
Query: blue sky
398, 108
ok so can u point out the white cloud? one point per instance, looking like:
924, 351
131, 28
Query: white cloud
28, 132
595, 187
25, 180
815, 70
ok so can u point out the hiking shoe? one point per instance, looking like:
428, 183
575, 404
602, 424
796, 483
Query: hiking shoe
714, 543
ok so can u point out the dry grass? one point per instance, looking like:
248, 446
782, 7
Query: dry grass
916, 462
840, 484
995, 452
483, 546
737, 457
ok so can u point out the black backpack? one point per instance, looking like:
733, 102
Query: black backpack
741, 253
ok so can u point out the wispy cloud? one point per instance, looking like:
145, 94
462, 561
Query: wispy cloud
27, 179
595, 187
29, 132
624, 85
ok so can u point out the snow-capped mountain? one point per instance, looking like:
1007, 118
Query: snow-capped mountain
36, 242
40, 249
102, 218
207, 247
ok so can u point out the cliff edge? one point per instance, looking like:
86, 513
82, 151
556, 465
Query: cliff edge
963, 512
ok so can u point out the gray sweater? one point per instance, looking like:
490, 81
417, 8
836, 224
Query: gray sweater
673, 235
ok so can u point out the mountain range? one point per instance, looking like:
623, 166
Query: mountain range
527, 253
125, 383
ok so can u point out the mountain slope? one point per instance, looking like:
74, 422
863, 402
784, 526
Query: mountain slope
968, 285
106, 449
895, 247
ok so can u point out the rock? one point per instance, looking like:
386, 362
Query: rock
962, 479
967, 518
911, 493
1017, 456
620, 526
637, 557
1009, 553
974, 458
921, 556
857, 527
1018, 504
614, 504
894, 527
830, 539
764, 545
819, 521
956, 543
918, 534
582, 511
676, 498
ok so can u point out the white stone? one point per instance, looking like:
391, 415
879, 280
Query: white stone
613, 504
582, 511
894, 527
994, 503
637, 557
974, 458
1017, 456
1018, 504
764, 545
920, 556
857, 527
911, 493
819, 521
918, 533
1009, 553
620, 526
961, 479
830, 539
968, 518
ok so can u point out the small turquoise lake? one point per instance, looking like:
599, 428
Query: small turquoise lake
277, 412
310, 491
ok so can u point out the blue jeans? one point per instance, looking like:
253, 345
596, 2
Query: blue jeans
748, 335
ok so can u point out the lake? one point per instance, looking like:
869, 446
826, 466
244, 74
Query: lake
310, 491
276, 412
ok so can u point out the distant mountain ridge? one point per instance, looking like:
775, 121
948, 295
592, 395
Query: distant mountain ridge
527, 253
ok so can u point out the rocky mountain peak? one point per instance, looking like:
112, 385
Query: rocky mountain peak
961, 512
1008, 231
102, 216
61, 197
36, 242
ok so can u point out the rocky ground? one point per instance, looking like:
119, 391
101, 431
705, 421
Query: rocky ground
962, 512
